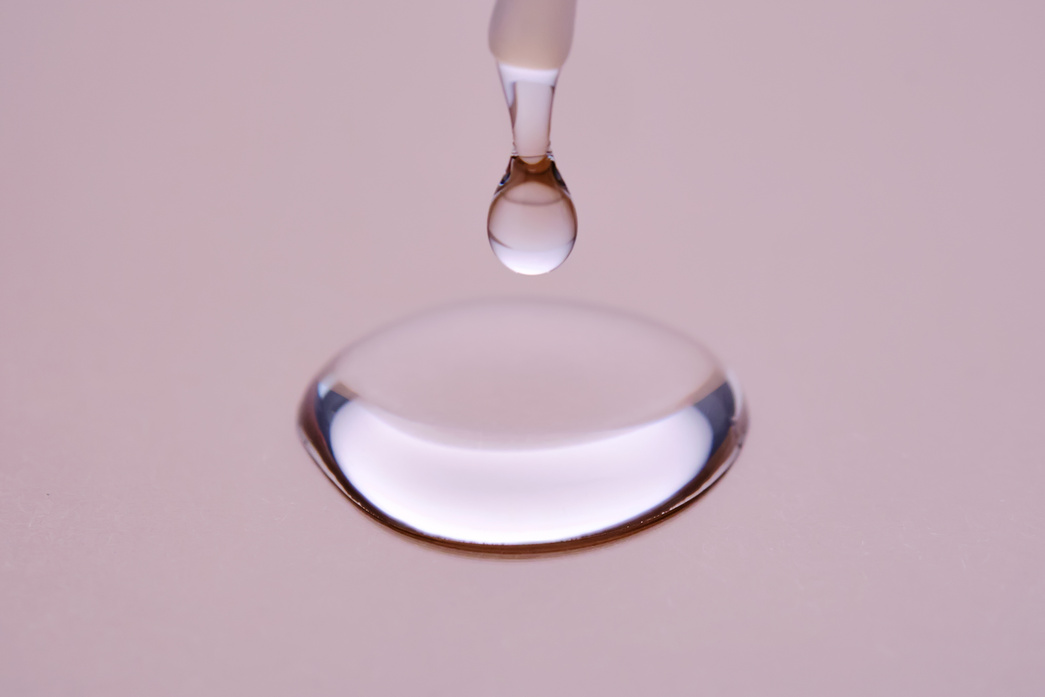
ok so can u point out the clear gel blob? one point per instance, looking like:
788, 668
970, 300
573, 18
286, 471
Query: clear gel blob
522, 426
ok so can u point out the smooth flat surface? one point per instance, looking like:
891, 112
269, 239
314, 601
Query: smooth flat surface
200, 203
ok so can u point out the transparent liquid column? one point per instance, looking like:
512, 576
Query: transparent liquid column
523, 426
532, 223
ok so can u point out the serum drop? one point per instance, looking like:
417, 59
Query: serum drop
532, 224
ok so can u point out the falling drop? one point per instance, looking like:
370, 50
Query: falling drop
532, 223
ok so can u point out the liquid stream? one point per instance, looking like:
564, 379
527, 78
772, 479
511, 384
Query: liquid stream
532, 224
521, 426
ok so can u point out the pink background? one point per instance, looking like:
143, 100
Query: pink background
200, 202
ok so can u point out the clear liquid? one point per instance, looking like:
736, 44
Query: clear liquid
522, 426
532, 224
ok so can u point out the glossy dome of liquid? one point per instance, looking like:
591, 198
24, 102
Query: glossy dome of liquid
522, 425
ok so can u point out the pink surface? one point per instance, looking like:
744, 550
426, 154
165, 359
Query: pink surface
201, 202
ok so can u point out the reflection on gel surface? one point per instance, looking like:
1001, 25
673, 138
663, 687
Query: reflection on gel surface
522, 425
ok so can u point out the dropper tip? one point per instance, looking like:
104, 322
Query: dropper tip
532, 33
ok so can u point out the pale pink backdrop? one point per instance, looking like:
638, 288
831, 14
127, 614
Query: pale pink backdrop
201, 201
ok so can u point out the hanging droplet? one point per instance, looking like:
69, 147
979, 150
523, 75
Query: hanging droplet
532, 224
